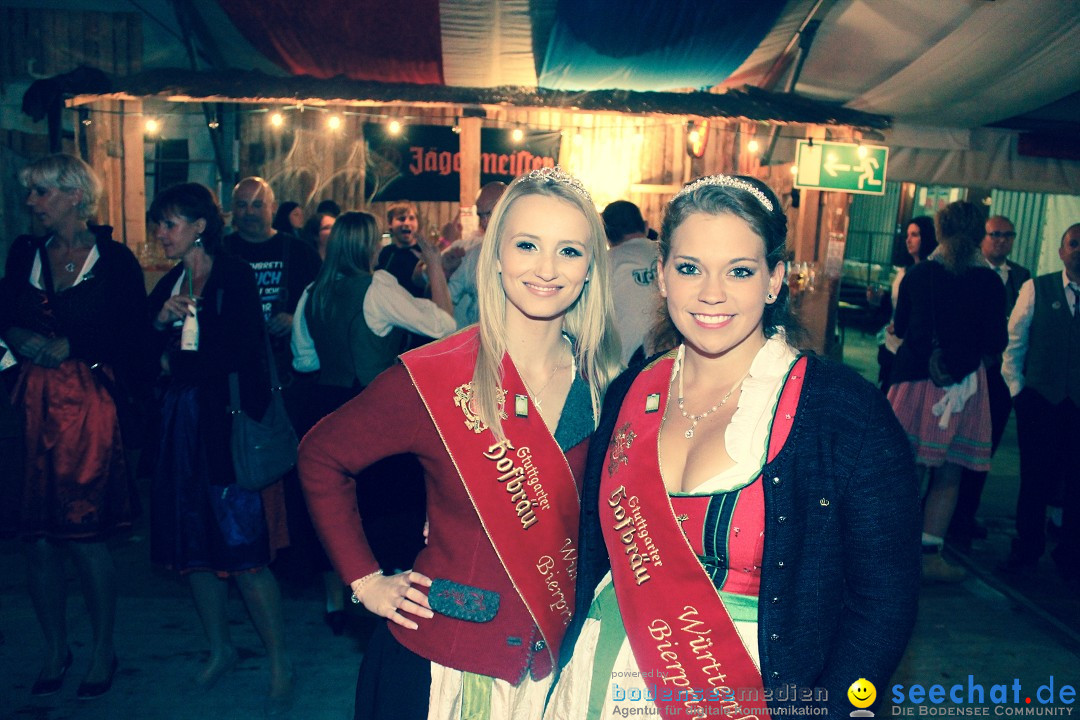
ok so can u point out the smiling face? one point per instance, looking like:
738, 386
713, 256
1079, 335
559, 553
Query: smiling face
53, 207
543, 256
716, 280
862, 693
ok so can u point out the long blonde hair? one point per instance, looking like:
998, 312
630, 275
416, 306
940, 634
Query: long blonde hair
589, 320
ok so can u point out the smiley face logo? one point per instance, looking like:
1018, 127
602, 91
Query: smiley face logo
862, 693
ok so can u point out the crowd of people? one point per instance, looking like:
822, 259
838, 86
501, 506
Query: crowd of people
518, 443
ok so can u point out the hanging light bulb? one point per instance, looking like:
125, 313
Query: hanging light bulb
394, 127
334, 122
697, 137
753, 146
517, 135
152, 126
277, 119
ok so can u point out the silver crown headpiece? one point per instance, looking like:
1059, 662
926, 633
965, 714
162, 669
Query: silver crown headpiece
557, 174
728, 181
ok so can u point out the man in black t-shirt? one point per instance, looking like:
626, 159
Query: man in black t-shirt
401, 258
283, 265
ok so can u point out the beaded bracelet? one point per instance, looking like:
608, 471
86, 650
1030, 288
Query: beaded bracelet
363, 582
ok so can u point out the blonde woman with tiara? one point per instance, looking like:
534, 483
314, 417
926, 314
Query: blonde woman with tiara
499, 415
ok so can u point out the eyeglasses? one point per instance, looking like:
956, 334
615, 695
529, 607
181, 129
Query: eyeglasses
997, 235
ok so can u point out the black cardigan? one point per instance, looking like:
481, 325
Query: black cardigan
103, 318
841, 565
231, 339
966, 310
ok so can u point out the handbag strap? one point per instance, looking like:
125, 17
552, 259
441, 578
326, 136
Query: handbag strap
234, 377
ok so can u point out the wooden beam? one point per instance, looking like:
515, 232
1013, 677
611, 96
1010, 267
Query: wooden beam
470, 160
133, 205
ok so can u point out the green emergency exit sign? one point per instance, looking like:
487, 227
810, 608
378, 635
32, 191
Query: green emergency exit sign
845, 167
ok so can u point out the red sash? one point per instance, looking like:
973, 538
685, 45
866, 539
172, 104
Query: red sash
678, 628
522, 488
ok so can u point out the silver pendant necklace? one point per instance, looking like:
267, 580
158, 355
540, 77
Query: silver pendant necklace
536, 395
695, 419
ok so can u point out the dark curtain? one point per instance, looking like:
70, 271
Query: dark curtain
358, 39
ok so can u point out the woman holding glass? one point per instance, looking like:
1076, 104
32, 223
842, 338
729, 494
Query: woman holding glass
203, 524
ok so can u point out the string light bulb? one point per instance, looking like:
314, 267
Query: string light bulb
334, 122
795, 170
152, 126
753, 146
277, 119
394, 128
517, 135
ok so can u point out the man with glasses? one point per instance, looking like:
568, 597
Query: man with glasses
997, 243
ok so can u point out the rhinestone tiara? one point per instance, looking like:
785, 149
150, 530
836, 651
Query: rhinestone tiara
727, 181
558, 175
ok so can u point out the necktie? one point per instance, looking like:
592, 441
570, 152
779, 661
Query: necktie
1076, 299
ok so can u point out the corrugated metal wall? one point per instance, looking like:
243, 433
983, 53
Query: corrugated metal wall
873, 226
1027, 213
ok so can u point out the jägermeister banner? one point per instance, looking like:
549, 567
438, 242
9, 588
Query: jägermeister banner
424, 161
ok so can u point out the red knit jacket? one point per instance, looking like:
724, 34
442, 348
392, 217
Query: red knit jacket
388, 418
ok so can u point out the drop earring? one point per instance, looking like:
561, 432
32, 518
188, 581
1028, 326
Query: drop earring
198, 241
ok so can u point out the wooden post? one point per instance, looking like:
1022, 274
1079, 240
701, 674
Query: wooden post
133, 200
470, 160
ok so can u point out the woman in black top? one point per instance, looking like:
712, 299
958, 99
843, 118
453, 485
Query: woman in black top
203, 524
950, 315
73, 311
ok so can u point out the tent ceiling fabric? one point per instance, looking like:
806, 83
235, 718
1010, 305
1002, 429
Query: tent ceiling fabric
953, 63
949, 63
487, 43
590, 44
957, 82
604, 44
